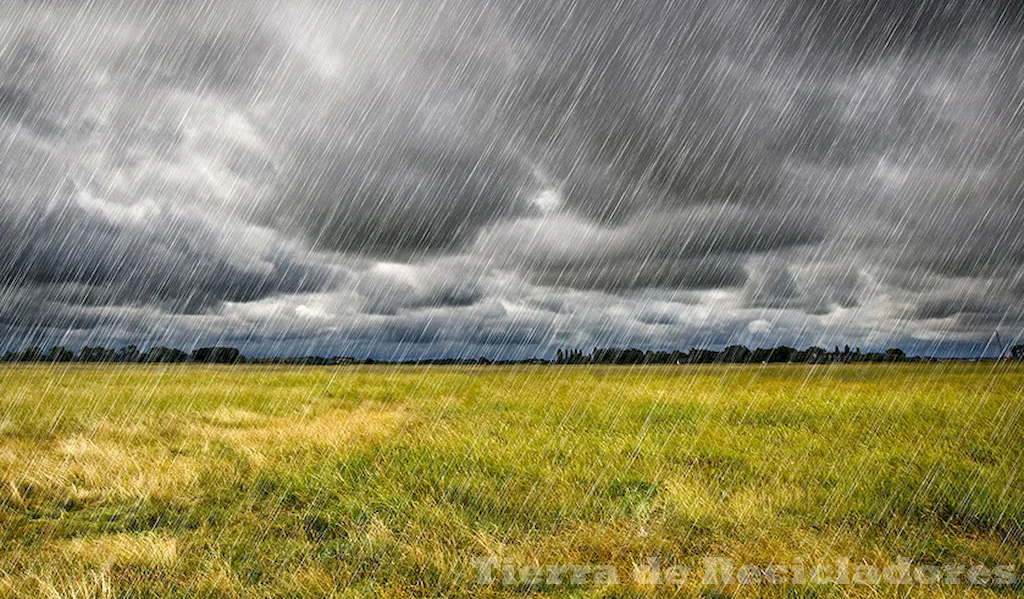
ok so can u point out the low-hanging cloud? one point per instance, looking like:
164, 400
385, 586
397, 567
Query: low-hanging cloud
849, 166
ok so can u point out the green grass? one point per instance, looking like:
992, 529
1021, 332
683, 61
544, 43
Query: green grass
378, 481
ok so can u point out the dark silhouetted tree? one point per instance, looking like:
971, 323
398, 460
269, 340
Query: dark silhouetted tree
894, 354
165, 354
735, 354
217, 355
60, 354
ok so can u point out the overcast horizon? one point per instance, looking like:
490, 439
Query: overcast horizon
402, 178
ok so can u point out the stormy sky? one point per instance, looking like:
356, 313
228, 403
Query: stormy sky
505, 177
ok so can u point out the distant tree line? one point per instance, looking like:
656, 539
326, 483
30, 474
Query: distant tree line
159, 354
733, 354
129, 353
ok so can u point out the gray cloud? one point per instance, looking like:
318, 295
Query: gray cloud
702, 247
60, 242
148, 263
868, 28
818, 291
443, 284
406, 196
471, 159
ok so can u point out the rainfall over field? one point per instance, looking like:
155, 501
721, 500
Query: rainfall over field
511, 297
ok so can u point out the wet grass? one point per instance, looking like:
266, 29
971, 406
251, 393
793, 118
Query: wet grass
309, 482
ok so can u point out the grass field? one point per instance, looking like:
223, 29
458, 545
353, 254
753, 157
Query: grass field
150, 481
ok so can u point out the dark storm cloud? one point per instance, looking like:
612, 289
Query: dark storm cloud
15, 104
400, 194
75, 229
218, 61
868, 28
661, 105
775, 288
51, 306
630, 274
809, 157
59, 241
637, 101
486, 114
817, 292
655, 317
409, 155
36, 91
147, 264
955, 306
699, 248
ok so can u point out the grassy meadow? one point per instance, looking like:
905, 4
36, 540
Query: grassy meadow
247, 481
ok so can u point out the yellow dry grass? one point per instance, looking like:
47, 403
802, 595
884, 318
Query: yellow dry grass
146, 549
157, 481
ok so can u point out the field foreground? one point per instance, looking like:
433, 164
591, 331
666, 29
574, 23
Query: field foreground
545, 481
